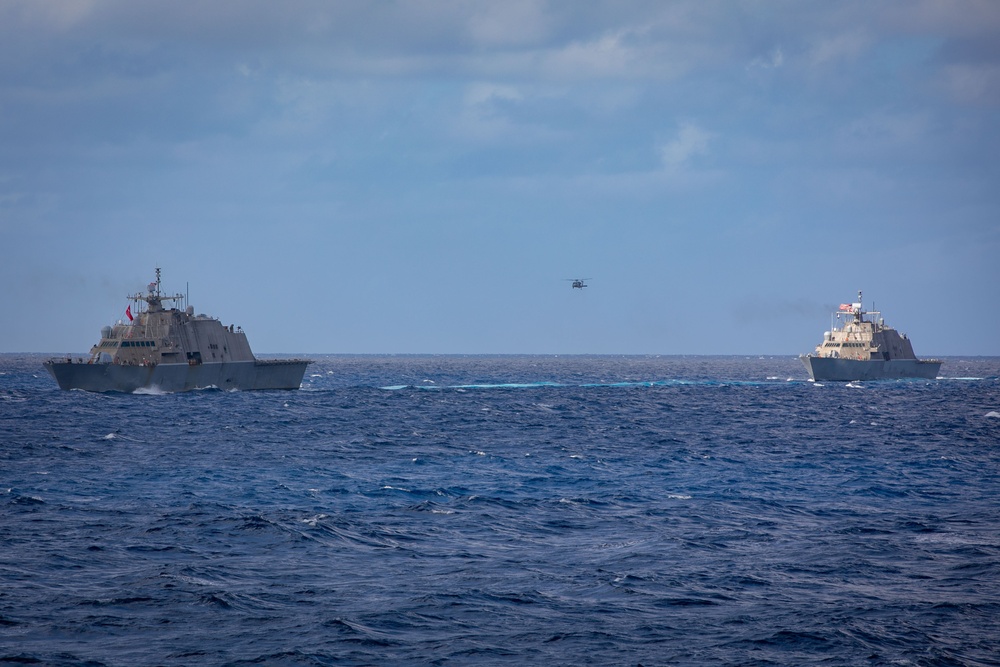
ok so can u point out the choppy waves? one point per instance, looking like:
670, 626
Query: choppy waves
523, 511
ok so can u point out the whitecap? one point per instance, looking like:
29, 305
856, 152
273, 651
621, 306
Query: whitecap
674, 496
993, 414
506, 385
621, 545
150, 391
110, 436
314, 520
394, 387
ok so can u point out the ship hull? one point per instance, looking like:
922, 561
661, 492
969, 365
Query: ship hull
846, 370
233, 375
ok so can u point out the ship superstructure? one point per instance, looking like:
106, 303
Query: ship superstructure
170, 349
865, 349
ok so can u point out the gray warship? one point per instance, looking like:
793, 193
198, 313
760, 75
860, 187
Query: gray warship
865, 349
172, 350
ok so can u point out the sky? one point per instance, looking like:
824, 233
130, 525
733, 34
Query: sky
424, 176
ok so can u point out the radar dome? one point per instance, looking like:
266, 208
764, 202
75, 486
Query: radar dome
189, 310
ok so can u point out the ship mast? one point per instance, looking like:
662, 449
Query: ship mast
154, 298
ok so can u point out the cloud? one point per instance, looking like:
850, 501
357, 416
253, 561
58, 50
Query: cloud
690, 141
773, 60
957, 19
972, 84
832, 49
608, 55
884, 133
511, 22
51, 15
484, 114
482, 95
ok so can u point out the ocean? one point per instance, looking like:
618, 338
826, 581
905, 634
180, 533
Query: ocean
505, 510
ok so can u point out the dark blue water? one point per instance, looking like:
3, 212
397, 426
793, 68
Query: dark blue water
505, 511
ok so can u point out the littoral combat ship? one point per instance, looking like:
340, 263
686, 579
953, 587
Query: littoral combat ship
865, 349
171, 350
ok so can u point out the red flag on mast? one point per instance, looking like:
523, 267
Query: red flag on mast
128, 312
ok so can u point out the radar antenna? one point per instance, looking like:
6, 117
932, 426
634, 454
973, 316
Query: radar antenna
154, 298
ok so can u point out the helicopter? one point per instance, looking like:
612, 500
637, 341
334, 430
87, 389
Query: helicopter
578, 283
